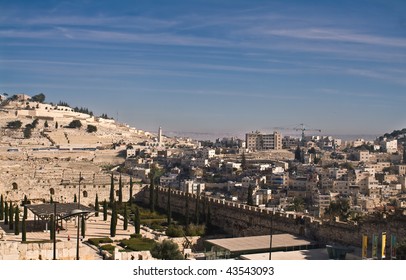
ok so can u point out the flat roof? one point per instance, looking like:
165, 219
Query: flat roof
259, 243
315, 254
44, 211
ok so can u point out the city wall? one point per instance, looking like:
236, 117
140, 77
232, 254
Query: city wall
243, 220
43, 251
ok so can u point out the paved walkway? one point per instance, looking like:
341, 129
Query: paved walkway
95, 228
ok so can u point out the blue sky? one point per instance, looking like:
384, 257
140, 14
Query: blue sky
215, 67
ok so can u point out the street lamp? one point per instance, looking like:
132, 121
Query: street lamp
79, 213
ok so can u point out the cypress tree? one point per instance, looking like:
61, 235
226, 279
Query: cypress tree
137, 221
25, 212
120, 191
104, 210
125, 218
11, 216
51, 227
197, 211
250, 199
25, 202
51, 200
131, 191
17, 221
243, 162
6, 213
151, 198
83, 227
111, 199
187, 221
24, 229
404, 154
75, 199
1, 208
169, 210
96, 206
113, 221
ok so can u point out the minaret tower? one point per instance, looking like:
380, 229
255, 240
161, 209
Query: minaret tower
160, 135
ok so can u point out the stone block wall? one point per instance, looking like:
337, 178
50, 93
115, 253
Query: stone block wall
43, 251
243, 220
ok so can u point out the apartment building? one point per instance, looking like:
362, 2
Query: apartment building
257, 141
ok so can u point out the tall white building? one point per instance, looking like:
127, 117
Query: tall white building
160, 135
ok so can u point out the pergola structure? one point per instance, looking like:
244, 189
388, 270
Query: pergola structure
60, 210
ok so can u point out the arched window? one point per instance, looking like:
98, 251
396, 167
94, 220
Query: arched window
85, 194
52, 191
15, 186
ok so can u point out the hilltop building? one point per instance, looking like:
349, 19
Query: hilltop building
257, 141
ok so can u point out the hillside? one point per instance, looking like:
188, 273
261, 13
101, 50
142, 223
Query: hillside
49, 126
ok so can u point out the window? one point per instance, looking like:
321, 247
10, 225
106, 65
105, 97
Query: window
15, 186
52, 191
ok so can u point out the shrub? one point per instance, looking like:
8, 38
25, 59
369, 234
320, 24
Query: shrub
97, 241
175, 231
91, 128
136, 235
195, 230
167, 250
14, 124
75, 124
109, 248
138, 244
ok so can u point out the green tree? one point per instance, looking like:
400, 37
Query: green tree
137, 221
24, 229
197, 210
104, 210
111, 199
34, 123
169, 210
14, 124
125, 226
167, 250
25, 212
83, 226
11, 216
5, 213
120, 191
404, 154
250, 199
298, 154
51, 200
38, 98
1, 208
131, 190
75, 124
56, 125
17, 221
52, 227
27, 131
187, 214
244, 162
96, 206
339, 208
91, 128
154, 176
113, 221
298, 204
75, 199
